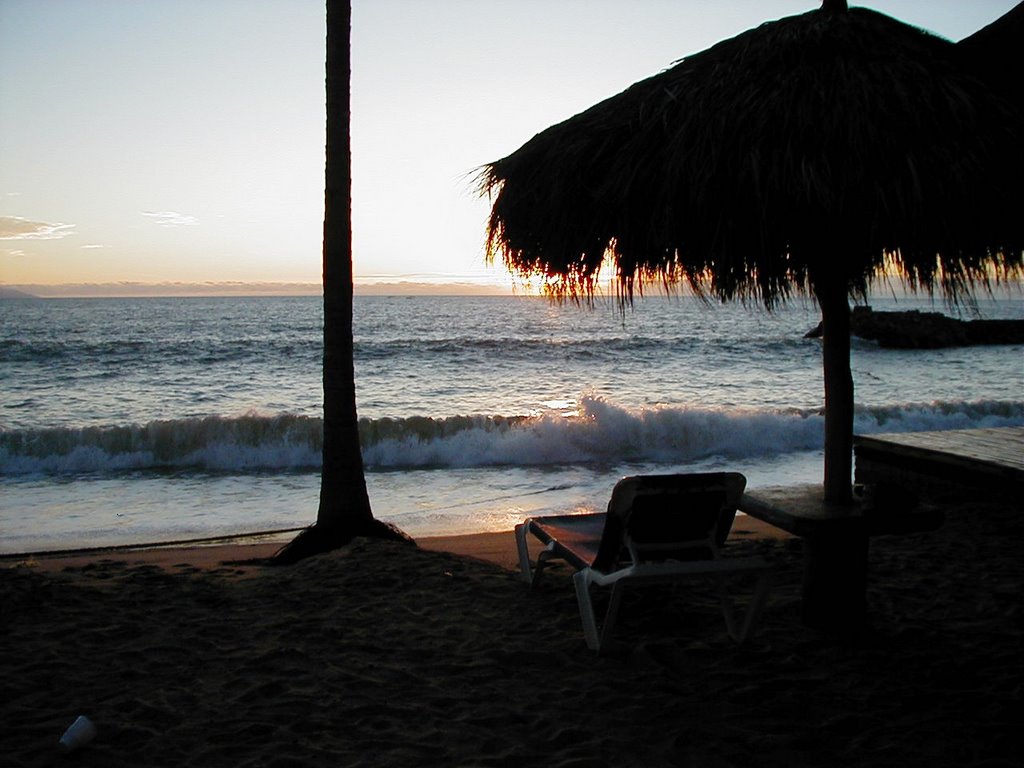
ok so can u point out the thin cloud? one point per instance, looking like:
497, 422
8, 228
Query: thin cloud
93, 245
17, 228
171, 218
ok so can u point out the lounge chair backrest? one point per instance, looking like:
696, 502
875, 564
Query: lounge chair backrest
683, 516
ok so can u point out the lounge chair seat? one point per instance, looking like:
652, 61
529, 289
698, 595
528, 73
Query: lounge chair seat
658, 529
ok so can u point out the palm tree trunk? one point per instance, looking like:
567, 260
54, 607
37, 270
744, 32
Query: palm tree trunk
344, 510
344, 502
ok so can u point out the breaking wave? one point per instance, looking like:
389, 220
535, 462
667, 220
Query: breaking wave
599, 432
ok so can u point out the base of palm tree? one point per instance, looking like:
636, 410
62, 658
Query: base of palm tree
318, 539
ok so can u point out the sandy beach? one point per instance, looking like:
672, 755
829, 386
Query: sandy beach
384, 654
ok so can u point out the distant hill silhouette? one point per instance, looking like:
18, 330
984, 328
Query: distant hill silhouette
14, 293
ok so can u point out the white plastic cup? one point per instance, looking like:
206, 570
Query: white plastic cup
78, 734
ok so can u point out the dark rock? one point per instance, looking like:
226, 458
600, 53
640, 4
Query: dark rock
914, 329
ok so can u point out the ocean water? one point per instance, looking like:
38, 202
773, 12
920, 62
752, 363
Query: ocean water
140, 420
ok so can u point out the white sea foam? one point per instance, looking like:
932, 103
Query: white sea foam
598, 432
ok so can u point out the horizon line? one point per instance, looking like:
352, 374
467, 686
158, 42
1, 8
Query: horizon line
184, 289
372, 287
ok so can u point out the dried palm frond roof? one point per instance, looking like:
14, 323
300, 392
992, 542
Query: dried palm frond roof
994, 52
805, 149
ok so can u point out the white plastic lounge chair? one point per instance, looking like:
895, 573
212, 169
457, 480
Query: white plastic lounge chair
658, 528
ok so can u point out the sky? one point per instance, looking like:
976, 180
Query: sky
144, 141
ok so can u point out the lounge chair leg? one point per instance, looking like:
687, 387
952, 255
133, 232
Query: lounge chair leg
530, 576
728, 609
612, 614
524, 553
542, 560
739, 634
581, 581
757, 603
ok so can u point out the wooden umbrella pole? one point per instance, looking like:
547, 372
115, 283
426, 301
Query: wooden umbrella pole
838, 383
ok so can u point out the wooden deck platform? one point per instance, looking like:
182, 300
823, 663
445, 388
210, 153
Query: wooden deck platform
988, 460
836, 538
802, 511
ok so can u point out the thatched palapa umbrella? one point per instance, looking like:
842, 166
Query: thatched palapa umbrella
994, 52
810, 155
